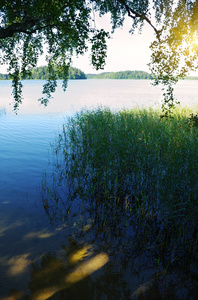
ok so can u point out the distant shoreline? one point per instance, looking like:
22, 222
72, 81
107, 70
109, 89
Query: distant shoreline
32, 79
41, 73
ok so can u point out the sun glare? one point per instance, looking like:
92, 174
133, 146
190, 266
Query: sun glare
196, 41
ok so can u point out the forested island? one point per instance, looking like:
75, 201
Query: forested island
75, 73
121, 75
128, 75
42, 74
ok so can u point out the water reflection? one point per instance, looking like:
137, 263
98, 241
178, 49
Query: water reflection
119, 273
139, 262
102, 260
81, 272
92, 192
62, 276
72, 274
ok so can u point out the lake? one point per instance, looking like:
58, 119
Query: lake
35, 256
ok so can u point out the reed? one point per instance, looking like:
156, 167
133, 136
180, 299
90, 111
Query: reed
132, 167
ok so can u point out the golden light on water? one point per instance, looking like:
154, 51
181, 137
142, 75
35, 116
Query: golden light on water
44, 293
18, 264
42, 234
87, 268
4, 229
66, 280
79, 255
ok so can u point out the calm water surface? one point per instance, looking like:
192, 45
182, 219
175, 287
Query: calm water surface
38, 260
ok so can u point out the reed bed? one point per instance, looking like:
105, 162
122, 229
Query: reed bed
131, 168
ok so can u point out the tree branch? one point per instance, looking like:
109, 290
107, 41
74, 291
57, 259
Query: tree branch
134, 14
26, 26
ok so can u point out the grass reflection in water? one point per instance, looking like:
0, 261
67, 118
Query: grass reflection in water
131, 179
58, 276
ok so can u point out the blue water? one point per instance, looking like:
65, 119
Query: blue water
24, 154
25, 137
24, 151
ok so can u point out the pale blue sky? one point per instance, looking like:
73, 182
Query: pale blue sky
125, 51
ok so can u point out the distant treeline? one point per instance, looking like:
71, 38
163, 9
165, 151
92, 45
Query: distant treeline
121, 75
42, 73
4, 77
74, 73
191, 78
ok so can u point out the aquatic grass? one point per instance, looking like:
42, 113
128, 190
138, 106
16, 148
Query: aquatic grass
131, 168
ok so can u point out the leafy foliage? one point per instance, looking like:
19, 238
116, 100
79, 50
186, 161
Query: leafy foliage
175, 51
67, 27
193, 120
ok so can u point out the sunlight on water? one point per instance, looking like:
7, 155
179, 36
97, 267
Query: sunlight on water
18, 264
37, 260
87, 268
42, 234
79, 255
81, 272
3, 228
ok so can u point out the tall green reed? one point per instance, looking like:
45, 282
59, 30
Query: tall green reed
131, 165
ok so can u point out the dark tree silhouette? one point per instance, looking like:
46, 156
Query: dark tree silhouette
67, 27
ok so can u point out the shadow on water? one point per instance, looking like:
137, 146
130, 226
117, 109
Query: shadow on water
106, 240
78, 271
103, 189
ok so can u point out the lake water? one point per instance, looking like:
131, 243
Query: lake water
29, 245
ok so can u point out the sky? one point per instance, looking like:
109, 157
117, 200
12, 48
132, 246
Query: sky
125, 51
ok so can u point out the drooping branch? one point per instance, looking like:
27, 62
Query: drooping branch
28, 26
134, 14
